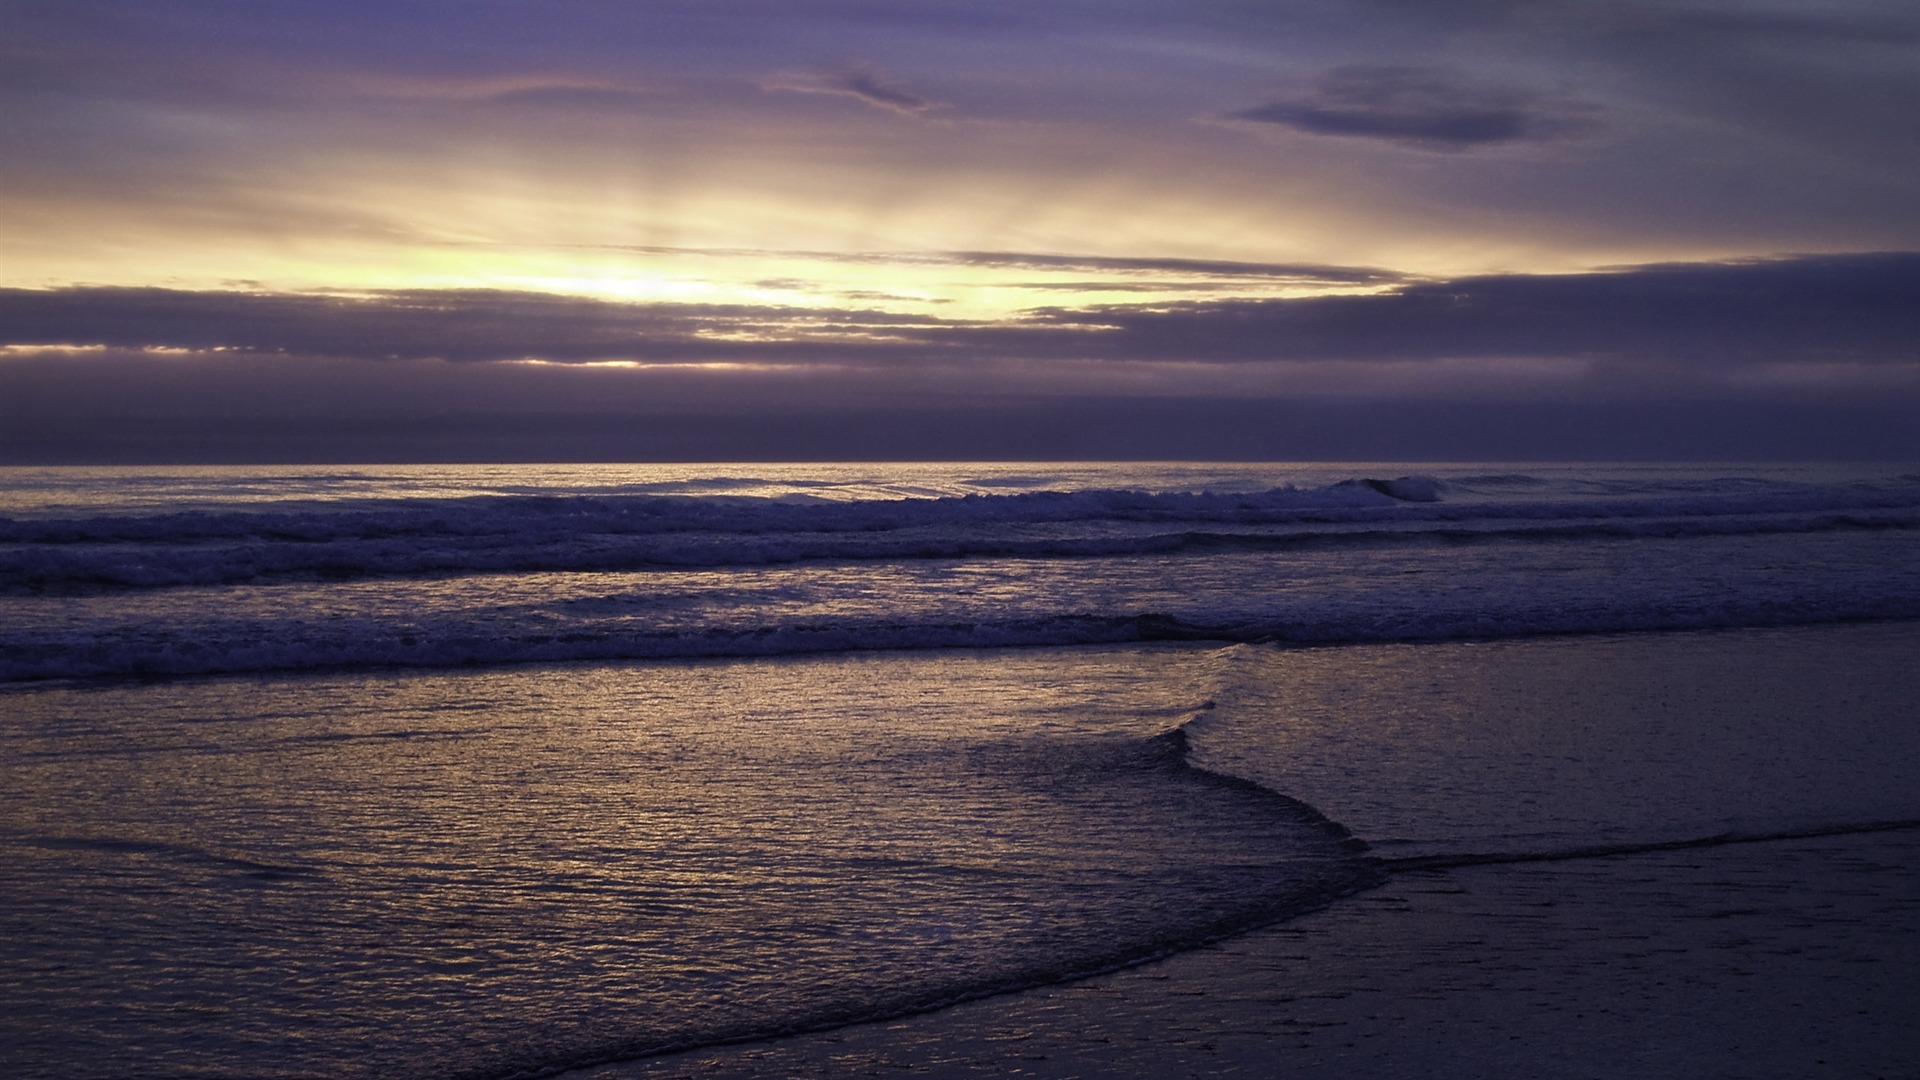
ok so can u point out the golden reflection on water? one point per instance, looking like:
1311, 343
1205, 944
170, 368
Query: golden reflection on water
457, 868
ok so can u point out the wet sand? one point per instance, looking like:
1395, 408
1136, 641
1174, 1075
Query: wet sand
1790, 958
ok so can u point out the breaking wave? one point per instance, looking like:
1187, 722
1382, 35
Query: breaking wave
542, 534
517, 578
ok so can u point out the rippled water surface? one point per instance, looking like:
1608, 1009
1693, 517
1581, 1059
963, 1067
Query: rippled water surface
474, 873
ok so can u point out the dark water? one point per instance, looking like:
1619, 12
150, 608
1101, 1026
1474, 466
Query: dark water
491, 772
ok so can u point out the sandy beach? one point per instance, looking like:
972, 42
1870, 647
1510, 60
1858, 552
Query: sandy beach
1788, 959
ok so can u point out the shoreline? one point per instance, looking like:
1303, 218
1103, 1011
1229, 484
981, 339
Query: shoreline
1641, 856
1778, 958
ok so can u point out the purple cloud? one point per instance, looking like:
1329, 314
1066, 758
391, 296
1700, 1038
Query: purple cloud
1425, 108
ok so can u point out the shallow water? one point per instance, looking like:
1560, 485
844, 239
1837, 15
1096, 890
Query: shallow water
1556, 745
1584, 951
474, 873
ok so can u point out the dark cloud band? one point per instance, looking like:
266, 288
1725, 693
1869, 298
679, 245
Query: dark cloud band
1851, 308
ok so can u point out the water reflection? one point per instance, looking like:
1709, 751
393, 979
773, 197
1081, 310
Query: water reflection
473, 872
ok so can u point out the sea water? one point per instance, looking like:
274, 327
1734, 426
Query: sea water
496, 771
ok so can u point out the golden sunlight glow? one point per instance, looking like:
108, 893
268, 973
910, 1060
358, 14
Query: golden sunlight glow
38, 350
755, 231
701, 366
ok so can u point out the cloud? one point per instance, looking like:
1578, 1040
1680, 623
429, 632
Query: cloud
1706, 26
1305, 273
458, 325
496, 88
1807, 357
1862, 308
252, 409
1844, 312
1424, 108
1301, 272
863, 84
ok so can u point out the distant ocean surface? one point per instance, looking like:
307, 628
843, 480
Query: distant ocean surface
215, 571
496, 771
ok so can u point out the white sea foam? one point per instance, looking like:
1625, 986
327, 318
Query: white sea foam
497, 534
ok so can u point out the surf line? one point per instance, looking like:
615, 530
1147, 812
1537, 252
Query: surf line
1414, 863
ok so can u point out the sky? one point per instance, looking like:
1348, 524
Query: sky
979, 229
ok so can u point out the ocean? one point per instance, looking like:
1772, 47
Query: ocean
502, 771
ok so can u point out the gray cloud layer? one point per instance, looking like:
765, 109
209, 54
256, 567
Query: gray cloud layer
1856, 309
476, 325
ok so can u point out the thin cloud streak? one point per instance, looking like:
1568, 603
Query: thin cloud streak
1319, 273
863, 84
1305, 272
